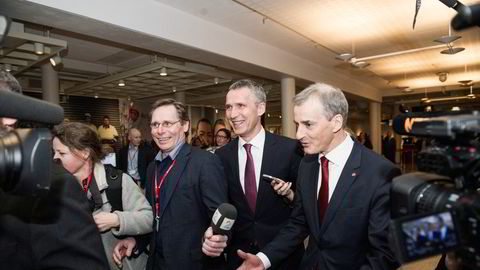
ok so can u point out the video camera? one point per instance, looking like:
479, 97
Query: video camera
438, 209
26, 154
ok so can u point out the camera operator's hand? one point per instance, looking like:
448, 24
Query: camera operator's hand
452, 262
105, 221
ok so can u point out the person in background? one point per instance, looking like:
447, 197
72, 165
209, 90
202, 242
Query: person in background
222, 137
390, 145
134, 158
118, 206
185, 185
219, 124
364, 139
204, 137
88, 121
342, 199
107, 133
263, 207
49, 231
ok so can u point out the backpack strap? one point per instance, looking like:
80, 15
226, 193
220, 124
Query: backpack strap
114, 190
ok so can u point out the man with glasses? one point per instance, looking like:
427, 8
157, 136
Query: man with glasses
185, 185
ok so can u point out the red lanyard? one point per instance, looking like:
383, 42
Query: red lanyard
86, 183
157, 189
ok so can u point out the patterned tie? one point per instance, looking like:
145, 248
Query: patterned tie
250, 181
323, 194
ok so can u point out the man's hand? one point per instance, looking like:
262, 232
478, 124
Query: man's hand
105, 221
283, 188
213, 245
122, 249
250, 261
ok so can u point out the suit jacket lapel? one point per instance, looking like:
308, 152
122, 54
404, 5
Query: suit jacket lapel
346, 180
313, 168
268, 160
175, 175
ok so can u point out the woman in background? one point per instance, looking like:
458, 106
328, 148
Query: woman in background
78, 149
222, 137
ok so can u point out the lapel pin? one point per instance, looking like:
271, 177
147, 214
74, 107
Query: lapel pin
354, 174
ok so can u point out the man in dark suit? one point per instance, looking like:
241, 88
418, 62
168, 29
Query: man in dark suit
185, 186
342, 199
134, 158
265, 208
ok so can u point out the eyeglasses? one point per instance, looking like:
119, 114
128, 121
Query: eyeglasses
165, 124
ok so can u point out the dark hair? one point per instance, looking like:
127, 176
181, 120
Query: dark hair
229, 134
180, 107
204, 120
8, 82
219, 122
79, 136
106, 116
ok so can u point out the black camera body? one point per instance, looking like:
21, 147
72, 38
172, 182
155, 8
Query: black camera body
438, 210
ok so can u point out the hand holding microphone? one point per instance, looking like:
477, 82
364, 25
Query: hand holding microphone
215, 237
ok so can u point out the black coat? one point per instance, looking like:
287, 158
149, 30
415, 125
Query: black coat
145, 156
196, 188
53, 232
281, 158
354, 232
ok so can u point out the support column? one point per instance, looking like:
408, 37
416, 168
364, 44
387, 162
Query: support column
50, 84
375, 127
180, 96
398, 138
287, 94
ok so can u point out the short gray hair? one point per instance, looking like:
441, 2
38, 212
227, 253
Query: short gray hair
253, 86
332, 99
8, 82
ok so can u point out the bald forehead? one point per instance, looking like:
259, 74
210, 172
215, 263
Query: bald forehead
134, 132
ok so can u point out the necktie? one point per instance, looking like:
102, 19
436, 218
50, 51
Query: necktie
323, 194
250, 181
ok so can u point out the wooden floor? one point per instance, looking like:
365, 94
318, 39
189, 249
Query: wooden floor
425, 264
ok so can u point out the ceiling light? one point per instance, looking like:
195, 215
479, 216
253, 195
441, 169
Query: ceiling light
280, 116
471, 95
216, 110
345, 57
215, 80
8, 67
174, 89
38, 48
465, 82
455, 108
121, 83
446, 39
56, 60
96, 95
268, 115
163, 71
360, 64
452, 50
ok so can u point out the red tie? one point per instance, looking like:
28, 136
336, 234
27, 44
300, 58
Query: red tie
250, 181
323, 194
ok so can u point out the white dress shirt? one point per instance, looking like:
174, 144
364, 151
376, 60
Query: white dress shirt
337, 158
336, 162
257, 143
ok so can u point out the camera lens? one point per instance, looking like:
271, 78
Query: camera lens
10, 160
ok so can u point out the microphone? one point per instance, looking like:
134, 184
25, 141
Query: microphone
21, 107
467, 17
223, 219
437, 124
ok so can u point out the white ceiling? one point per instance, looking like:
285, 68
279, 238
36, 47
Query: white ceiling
316, 30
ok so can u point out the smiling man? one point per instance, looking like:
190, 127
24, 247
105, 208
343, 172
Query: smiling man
185, 185
262, 208
343, 193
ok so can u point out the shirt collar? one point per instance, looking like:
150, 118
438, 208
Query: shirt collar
340, 153
258, 141
173, 154
131, 146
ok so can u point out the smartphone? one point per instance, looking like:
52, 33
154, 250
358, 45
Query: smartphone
268, 178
